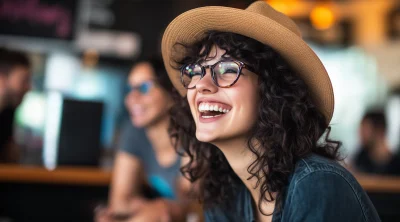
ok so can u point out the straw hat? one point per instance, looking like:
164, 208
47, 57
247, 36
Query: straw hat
260, 22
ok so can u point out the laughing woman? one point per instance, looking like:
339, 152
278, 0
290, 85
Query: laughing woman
256, 102
146, 171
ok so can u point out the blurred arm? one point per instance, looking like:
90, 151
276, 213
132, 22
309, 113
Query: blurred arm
179, 208
126, 181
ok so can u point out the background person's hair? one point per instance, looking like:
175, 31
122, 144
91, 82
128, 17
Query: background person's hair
160, 73
10, 59
288, 127
377, 119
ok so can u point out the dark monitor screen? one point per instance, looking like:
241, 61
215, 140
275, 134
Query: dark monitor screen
79, 138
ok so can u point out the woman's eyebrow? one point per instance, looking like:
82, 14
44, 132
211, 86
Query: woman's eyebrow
202, 60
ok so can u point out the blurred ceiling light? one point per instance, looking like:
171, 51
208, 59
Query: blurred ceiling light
279, 5
322, 17
284, 6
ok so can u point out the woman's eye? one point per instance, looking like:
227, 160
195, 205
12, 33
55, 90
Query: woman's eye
230, 71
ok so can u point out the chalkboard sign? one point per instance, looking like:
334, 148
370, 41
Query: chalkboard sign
38, 18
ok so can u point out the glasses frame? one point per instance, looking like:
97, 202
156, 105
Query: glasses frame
211, 67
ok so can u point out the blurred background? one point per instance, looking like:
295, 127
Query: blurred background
82, 51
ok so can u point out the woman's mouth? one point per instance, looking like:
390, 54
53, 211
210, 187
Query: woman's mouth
212, 110
137, 110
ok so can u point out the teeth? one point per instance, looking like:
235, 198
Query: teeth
201, 108
207, 107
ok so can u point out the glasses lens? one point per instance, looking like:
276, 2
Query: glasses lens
226, 73
190, 75
144, 88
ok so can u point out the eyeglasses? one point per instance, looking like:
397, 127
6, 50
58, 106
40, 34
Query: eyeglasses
223, 73
143, 88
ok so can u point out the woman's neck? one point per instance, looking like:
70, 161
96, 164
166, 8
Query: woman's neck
240, 157
158, 130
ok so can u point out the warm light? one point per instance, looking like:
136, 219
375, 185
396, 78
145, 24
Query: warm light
287, 7
279, 5
322, 17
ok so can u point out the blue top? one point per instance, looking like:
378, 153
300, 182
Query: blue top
318, 190
162, 179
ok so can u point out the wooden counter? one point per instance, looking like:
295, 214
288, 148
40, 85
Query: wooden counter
61, 175
99, 177
379, 184
56, 190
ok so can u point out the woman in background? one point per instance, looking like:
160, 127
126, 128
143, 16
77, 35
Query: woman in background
146, 159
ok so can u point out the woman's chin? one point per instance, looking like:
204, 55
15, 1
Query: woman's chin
207, 137
139, 123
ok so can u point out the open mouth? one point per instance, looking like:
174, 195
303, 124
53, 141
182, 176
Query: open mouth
212, 110
137, 110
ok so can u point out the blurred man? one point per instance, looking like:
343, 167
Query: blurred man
374, 155
15, 82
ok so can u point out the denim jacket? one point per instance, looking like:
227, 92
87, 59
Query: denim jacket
319, 190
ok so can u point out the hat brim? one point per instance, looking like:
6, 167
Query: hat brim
192, 26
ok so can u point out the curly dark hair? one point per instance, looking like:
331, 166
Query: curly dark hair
288, 128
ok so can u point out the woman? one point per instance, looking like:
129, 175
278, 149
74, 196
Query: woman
257, 101
148, 153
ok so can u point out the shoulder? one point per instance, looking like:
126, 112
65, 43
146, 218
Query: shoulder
131, 133
319, 185
317, 172
315, 164
132, 139
128, 127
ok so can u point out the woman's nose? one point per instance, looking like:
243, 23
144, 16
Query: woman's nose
206, 84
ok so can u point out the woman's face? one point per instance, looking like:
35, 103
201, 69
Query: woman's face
241, 101
147, 102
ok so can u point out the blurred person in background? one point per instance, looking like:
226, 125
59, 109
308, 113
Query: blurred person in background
15, 82
375, 155
147, 157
